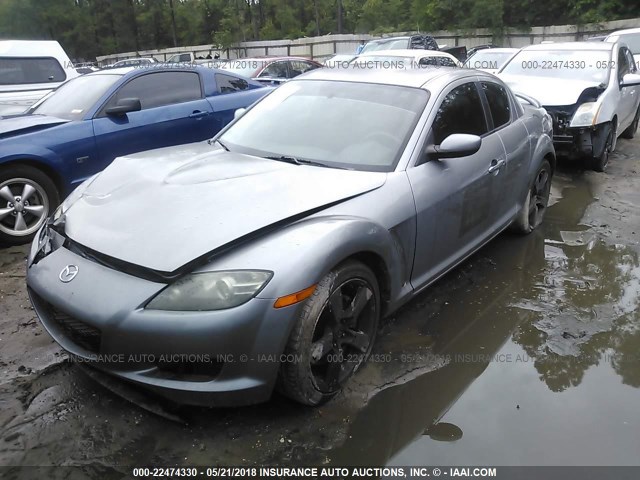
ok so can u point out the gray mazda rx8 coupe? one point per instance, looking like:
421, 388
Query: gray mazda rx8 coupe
265, 258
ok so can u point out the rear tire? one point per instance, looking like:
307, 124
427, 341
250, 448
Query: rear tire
27, 198
333, 336
535, 203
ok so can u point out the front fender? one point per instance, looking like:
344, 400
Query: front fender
22, 151
301, 254
34, 155
543, 149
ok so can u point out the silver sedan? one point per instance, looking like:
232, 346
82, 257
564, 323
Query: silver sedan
213, 272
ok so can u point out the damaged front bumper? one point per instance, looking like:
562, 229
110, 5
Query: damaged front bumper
578, 142
214, 358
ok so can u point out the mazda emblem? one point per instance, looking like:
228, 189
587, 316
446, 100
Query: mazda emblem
68, 273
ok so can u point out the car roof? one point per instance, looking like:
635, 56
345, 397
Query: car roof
135, 58
406, 52
268, 58
487, 51
114, 71
31, 48
570, 46
417, 78
388, 39
624, 32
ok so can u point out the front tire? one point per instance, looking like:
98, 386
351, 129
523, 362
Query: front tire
333, 336
600, 162
631, 130
27, 198
536, 200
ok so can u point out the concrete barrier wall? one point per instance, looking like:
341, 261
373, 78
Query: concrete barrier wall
322, 47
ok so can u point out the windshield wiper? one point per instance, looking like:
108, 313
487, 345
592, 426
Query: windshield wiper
299, 161
211, 142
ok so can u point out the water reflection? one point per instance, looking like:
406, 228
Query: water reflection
567, 298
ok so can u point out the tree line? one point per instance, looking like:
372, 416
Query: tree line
87, 28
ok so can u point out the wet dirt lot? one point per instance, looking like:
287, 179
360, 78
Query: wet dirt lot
527, 354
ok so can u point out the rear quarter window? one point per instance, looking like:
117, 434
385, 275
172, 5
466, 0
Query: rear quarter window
230, 84
29, 70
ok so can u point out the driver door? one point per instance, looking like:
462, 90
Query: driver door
456, 199
174, 111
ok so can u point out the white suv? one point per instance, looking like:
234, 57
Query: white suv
28, 71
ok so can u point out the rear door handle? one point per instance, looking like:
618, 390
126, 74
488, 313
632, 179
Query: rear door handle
198, 114
495, 165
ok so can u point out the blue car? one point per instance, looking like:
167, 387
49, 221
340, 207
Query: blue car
79, 129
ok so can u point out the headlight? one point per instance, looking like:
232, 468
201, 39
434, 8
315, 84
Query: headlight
211, 291
586, 115
72, 198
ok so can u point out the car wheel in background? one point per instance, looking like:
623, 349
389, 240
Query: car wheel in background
536, 200
27, 197
631, 130
333, 335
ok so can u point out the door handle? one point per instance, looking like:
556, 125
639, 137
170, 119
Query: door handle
198, 114
495, 165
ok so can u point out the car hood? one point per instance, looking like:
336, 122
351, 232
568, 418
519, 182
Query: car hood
550, 92
15, 125
165, 208
12, 102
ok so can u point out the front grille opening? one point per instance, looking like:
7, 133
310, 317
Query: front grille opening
76, 331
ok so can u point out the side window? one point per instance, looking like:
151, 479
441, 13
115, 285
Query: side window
16, 71
623, 64
230, 84
185, 57
460, 112
298, 67
159, 89
275, 70
447, 62
499, 105
632, 63
428, 62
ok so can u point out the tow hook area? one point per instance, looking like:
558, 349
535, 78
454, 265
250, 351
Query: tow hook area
581, 143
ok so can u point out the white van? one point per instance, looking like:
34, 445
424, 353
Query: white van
28, 71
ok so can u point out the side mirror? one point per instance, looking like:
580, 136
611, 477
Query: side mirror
630, 80
455, 145
238, 113
124, 106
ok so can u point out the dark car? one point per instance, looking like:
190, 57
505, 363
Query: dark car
77, 130
418, 41
270, 70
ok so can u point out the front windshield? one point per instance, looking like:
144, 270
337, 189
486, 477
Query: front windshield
486, 59
593, 65
359, 126
631, 40
376, 45
74, 98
